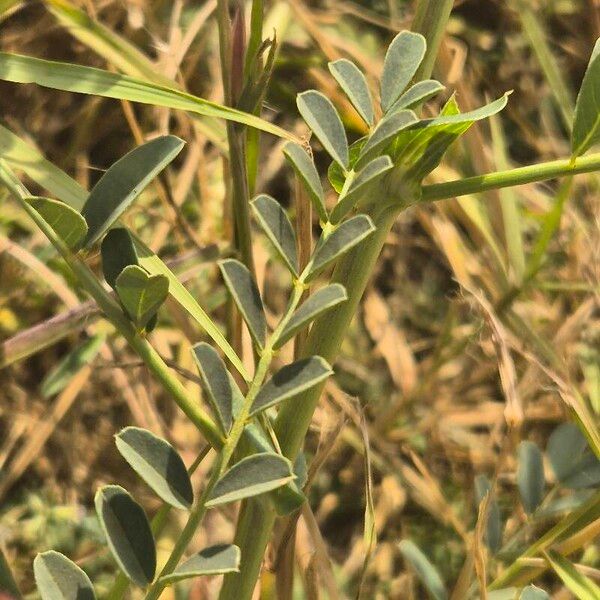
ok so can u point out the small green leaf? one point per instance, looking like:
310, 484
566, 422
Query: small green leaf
124, 181
586, 124
276, 225
343, 238
223, 393
8, 585
290, 381
67, 223
216, 560
402, 60
307, 173
158, 464
127, 532
385, 132
141, 294
426, 572
354, 84
493, 527
320, 302
361, 182
58, 578
58, 378
117, 251
581, 586
533, 593
530, 476
243, 289
321, 116
418, 94
336, 175
251, 476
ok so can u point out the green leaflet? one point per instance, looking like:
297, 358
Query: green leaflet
276, 225
586, 124
251, 476
58, 578
343, 238
418, 94
359, 185
243, 289
67, 223
117, 251
426, 572
582, 587
321, 301
353, 82
141, 294
124, 181
223, 393
88, 80
127, 532
216, 560
158, 464
530, 476
403, 57
58, 378
321, 116
533, 593
493, 526
307, 173
290, 381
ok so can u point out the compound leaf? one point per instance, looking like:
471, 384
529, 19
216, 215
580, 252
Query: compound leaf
215, 560
158, 464
290, 381
352, 80
321, 116
58, 578
252, 476
124, 181
67, 223
127, 532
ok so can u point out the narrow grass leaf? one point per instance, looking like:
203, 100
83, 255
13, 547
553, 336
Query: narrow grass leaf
352, 80
581, 586
586, 124
251, 476
307, 173
290, 381
418, 94
531, 592
403, 57
216, 560
141, 294
67, 223
124, 181
88, 80
58, 578
127, 532
118, 251
321, 301
493, 527
359, 186
383, 135
8, 585
324, 120
346, 236
530, 476
58, 378
276, 225
426, 572
243, 289
223, 393
158, 464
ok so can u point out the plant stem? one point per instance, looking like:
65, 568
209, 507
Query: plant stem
512, 177
116, 316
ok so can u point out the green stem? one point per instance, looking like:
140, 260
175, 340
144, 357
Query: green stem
512, 177
116, 316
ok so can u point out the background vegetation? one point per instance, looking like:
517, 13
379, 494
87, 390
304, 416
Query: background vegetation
483, 310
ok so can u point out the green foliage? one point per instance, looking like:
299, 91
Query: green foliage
57, 578
424, 570
583, 587
533, 593
216, 560
494, 525
586, 124
158, 464
67, 223
355, 86
530, 476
